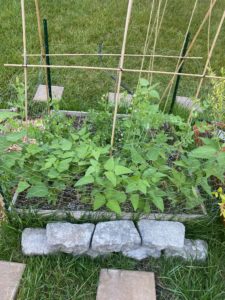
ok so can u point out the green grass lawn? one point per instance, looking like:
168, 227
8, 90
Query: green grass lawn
80, 26
63, 277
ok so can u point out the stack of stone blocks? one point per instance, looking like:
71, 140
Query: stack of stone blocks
149, 239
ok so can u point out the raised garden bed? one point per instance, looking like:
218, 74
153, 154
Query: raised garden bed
69, 204
67, 166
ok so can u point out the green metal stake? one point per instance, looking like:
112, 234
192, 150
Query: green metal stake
49, 80
184, 51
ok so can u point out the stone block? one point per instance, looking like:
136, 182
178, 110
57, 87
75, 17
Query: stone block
142, 253
41, 94
70, 238
34, 242
115, 236
124, 100
188, 103
192, 250
95, 254
162, 234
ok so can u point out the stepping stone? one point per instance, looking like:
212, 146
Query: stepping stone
10, 276
40, 96
126, 285
123, 99
188, 103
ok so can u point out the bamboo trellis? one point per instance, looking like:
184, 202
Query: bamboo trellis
120, 69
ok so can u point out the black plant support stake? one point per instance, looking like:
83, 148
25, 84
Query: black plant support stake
184, 51
49, 80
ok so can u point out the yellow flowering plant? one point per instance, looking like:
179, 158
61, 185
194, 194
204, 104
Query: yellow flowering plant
219, 194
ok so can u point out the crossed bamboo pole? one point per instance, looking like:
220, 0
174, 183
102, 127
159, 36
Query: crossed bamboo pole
207, 62
210, 54
94, 68
113, 55
207, 15
122, 56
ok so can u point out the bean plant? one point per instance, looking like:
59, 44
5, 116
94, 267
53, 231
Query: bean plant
154, 162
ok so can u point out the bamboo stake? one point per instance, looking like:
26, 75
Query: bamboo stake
210, 54
192, 44
147, 37
129, 10
43, 54
114, 69
209, 28
25, 61
156, 34
158, 27
114, 54
208, 62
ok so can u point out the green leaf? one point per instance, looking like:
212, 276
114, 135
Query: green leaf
4, 144
96, 153
4, 115
90, 171
158, 201
195, 191
114, 206
154, 94
99, 201
143, 82
157, 177
142, 186
115, 195
146, 208
22, 186
121, 170
49, 162
204, 152
10, 159
34, 149
66, 144
110, 164
206, 187
84, 181
111, 177
136, 157
135, 201
68, 154
52, 174
64, 165
39, 190
16, 136
153, 154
